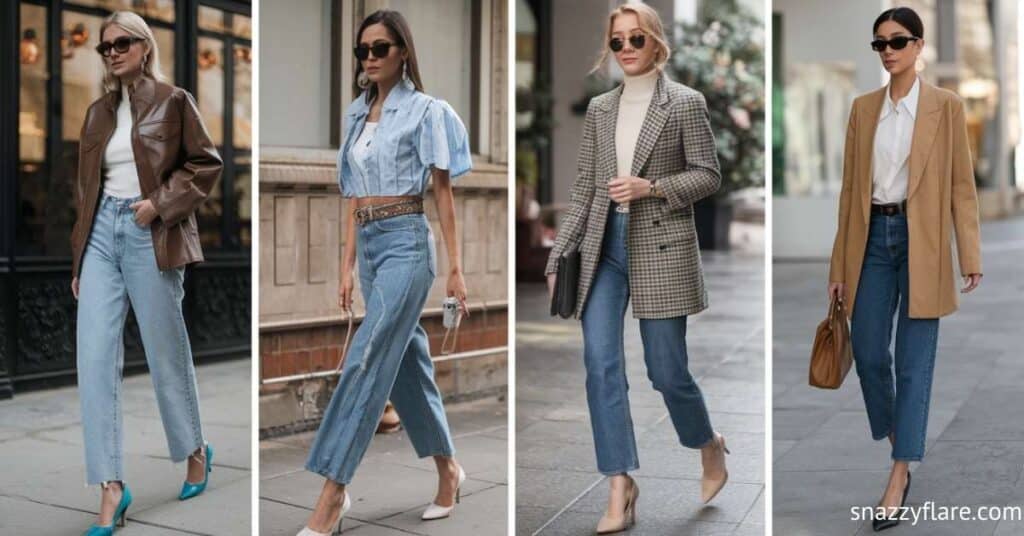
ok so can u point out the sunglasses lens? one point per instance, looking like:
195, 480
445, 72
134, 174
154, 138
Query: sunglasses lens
381, 50
362, 52
878, 45
899, 43
638, 41
615, 44
103, 49
122, 44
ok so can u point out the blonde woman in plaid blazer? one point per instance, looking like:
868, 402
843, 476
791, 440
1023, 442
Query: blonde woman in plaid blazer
647, 154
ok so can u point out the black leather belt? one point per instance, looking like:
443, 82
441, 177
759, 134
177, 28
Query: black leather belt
890, 208
370, 213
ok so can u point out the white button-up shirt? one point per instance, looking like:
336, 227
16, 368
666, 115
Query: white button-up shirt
889, 169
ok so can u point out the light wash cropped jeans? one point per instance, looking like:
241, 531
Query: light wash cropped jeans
389, 356
119, 268
664, 342
899, 407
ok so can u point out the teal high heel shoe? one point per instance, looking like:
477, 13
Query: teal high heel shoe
120, 516
188, 489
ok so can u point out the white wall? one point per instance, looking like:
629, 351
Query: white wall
295, 72
576, 40
813, 32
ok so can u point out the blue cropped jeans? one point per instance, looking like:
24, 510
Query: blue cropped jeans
119, 268
899, 407
389, 356
664, 342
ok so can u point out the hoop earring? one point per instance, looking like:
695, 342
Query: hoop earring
362, 80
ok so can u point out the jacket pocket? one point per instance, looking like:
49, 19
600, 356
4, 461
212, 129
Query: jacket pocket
162, 130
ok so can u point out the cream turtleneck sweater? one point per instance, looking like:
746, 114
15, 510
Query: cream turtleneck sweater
637, 92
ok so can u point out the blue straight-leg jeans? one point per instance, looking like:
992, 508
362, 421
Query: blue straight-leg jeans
664, 342
900, 407
119, 268
389, 356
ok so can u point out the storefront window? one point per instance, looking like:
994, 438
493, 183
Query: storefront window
152, 9
49, 128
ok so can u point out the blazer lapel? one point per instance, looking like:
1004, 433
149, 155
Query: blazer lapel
925, 128
607, 118
657, 114
869, 115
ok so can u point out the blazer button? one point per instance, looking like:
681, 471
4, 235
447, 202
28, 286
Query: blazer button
656, 223
662, 247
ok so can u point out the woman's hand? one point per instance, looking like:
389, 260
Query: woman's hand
345, 286
836, 290
971, 282
626, 189
145, 212
551, 285
74, 286
457, 288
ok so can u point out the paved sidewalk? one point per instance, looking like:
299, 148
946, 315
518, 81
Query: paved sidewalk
42, 490
560, 491
392, 486
825, 461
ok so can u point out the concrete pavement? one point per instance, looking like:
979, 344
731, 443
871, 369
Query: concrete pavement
392, 487
825, 461
560, 492
42, 490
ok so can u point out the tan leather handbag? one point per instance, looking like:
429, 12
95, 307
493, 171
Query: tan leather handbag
831, 355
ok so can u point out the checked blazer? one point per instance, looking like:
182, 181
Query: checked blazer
677, 150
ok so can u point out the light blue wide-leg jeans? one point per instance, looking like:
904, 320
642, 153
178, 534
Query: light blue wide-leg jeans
119, 268
389, 356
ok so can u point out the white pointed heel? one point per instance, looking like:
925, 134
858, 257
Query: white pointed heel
346, 505
436, 511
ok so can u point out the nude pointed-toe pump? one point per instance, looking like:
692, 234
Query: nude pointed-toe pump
709, 487
610, 526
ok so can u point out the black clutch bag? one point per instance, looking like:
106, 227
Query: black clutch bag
563, 301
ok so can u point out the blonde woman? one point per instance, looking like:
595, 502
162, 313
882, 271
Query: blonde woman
145, 163
646, 156
908, 183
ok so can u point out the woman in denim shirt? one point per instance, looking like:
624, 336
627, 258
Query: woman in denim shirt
396, 139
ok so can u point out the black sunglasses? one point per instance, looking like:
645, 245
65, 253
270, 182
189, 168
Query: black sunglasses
121, 45
897, 43
638, 41
380, 50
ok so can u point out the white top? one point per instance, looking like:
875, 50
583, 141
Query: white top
360, 150
637, 92
122, 178
889, 168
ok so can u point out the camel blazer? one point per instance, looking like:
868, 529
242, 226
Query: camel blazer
941, 199
677, 150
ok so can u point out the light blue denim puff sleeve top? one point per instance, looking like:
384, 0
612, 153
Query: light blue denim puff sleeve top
415, 133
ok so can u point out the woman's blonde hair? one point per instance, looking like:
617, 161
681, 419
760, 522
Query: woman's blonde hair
136, 27
650, 23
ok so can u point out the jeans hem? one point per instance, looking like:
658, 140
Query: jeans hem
328, 475
907, 458
632, 467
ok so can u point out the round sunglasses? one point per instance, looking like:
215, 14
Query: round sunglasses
896, 43
121, 45
617, 43
379, 50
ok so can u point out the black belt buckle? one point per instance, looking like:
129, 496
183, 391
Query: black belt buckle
891, 208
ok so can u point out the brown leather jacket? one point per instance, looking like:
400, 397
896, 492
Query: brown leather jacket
176, 160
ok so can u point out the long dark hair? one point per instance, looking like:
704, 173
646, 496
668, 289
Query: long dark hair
399, 30
905, 17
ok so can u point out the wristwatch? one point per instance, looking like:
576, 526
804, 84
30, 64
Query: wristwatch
654, 190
